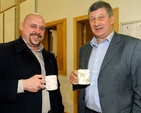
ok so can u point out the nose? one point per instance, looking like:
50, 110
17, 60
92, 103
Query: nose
38, 30
97, 22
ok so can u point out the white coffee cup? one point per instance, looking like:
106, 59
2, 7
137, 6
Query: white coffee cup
83, 76
51, 82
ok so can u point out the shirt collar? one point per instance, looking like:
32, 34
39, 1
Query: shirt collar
94, 39
40, 46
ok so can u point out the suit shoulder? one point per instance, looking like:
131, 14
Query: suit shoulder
127, 37
6, 46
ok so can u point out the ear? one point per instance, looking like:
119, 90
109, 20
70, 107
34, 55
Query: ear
112, 19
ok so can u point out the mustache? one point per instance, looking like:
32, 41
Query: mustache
36, 34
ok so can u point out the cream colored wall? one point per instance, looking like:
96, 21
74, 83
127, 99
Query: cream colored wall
51, 10
6, 4
7, 20
1, 27
8, 31
9, 23
26, 8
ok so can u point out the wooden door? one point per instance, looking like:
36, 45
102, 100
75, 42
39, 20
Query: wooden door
48, 42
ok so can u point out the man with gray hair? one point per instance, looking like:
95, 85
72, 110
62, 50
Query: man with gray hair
114, 61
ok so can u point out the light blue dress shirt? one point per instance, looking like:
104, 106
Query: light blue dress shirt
95, 62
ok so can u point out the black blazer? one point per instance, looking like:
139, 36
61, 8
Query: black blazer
119, 81
18, 62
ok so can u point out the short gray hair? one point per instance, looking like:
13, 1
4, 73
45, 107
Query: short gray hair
101, 4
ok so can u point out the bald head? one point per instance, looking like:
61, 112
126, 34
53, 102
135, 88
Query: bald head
32, 15
33, 28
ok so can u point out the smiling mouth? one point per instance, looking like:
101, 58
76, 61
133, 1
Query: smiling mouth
98, 28
36, 34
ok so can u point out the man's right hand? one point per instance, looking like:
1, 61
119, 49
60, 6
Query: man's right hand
74, 77
34, 83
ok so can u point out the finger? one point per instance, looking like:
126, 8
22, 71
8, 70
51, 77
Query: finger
74, 75
43, 81
74, 79
74, 82
40, 76
43, 86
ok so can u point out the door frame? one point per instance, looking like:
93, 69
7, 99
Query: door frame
61, 44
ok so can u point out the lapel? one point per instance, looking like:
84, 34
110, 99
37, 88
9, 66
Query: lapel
112, 50
87, 56
20, 45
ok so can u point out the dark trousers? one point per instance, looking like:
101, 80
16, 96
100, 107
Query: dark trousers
90, 111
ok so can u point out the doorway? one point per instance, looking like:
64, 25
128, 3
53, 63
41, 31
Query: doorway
55, 42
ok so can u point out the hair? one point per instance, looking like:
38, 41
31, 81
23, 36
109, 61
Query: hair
101, 4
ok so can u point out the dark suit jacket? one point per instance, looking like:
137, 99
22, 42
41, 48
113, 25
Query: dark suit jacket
18, 62
119, 81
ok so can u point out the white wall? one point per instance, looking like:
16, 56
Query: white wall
51, 10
